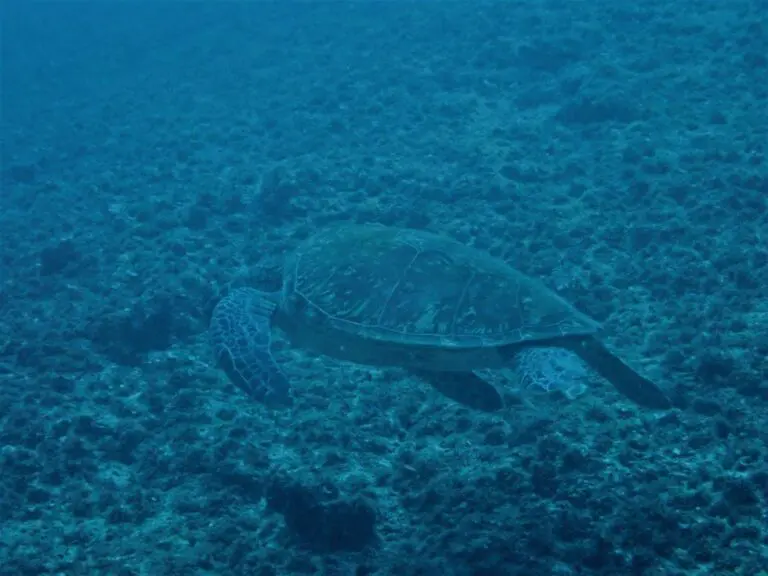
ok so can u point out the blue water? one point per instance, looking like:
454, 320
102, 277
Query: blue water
156, 156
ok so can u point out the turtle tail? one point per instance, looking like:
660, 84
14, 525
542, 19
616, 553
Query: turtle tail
631, 384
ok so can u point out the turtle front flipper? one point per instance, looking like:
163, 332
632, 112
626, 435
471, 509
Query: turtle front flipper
631, 384
241, 336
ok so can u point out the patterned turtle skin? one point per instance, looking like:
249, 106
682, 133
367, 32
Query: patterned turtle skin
385, 296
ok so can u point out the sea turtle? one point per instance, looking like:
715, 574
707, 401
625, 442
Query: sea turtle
386, 296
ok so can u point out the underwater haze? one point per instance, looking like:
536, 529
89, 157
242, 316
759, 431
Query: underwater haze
157, 156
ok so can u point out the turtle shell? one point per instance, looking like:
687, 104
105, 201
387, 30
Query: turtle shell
412, 288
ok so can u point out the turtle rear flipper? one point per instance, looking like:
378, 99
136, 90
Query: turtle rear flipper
467, 388
241, 337
631, 384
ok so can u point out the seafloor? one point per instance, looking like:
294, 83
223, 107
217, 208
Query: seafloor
156, 155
